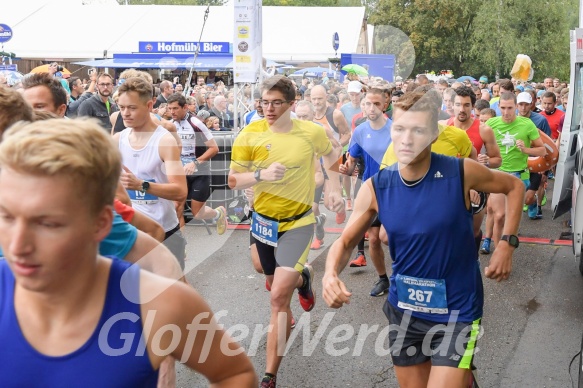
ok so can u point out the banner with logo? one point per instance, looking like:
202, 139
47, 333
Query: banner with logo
247, 41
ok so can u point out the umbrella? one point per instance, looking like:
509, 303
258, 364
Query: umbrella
465, 78
312, 71
12, 77
355, 69
45, 69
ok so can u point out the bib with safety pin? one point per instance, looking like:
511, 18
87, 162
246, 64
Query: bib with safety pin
142, 197
264, 230
422, 295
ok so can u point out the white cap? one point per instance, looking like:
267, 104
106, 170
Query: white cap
524, 97
354, 87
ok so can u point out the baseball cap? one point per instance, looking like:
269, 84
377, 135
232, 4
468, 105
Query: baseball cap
520, 87
354, 87
540, 93
524, 97
483, 79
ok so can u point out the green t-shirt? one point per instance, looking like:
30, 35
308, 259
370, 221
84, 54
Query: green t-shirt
522, 128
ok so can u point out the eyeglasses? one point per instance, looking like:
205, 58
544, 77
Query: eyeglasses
274, 103
105, 85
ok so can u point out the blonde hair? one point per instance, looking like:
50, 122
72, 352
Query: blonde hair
79, 149
13, 108
138, 85
131, 73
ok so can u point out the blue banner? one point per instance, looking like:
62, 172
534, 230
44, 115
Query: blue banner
9, 67
183, 47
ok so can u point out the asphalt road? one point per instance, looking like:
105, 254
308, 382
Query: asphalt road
532, 323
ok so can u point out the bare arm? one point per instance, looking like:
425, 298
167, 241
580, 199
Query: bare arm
492, 159
149, 226
202, 344
334, 291
113, 119
480, 178
170, 127
537, 147
342, 126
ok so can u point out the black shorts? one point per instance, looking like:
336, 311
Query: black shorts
414, 341
198, 187
376, 223
535, 180
292, 250
176, 243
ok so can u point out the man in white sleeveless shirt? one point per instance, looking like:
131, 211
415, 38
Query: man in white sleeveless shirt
152, 172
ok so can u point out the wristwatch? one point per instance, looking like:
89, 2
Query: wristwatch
257, 175
196, 162
145, 186
511, 239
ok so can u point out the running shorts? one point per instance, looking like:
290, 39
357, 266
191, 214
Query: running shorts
535, 180
198, 187
452, 345
292, 250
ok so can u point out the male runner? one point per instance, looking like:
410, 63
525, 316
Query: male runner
436, 275
276, 157
69, 314
481, 136
518, 138
198, 147
370, 141
152, 171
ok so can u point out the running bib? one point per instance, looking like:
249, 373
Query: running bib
422, 295
264, 230
142, 197
187, 159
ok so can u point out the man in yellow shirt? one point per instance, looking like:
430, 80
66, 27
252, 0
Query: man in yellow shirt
276, 157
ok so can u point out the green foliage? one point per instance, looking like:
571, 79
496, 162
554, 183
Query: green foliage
476, 37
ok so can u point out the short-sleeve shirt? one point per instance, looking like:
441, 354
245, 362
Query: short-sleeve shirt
257, 147
506, 134
451, 141
554, 120
349, 111
371, 145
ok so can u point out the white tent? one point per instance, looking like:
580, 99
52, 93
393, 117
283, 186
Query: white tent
68, 30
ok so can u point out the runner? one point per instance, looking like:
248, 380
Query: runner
276, 156
481, 136
425, 262
370, 142
518, 138
198, 147
152, 171
55, 208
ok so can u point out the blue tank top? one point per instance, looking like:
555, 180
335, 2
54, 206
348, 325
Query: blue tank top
88, 366
431, 242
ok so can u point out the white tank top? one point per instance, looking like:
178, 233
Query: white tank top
146, 164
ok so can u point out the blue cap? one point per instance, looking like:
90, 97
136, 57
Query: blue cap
540, 93
483, 79
520, 87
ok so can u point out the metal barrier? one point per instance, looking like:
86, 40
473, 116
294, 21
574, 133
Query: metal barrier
222, 195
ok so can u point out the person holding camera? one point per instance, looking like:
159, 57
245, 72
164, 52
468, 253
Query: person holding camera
79, 94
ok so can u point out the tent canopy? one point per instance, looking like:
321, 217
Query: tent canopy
163, 62
42, 30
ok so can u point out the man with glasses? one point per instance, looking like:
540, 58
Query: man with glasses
275, 156
100, 105
483, 82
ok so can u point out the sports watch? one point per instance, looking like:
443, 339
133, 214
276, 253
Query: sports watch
196, 162
145, 186
511, 239
257, 175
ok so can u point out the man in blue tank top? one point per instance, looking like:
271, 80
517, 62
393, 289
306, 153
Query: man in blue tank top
68, 314
436, 274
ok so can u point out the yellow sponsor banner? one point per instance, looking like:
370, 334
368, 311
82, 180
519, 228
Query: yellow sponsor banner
243, 59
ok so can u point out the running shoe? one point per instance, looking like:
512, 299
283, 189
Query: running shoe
316, 244
293, 323
532, 210
359, 260
485, 248
267, 286
366, 236
268, 382
539, 213
306, 293
340, 217
380, 287
349, 204
320, 222
551, 175
222, 220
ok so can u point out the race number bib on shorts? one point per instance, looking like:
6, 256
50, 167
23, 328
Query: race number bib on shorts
142, 197
422, 295
264, 230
